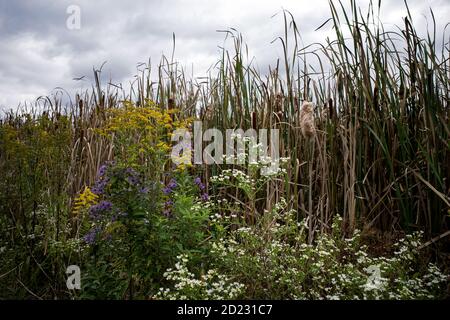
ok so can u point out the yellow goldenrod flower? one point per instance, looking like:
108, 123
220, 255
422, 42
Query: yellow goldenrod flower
85, 199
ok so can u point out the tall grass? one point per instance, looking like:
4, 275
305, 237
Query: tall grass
379, 156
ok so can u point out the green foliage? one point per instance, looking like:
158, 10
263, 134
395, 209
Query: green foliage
377, 160
273, 261
211, 285
34, 161
132, 243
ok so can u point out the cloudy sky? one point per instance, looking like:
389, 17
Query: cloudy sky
39, 51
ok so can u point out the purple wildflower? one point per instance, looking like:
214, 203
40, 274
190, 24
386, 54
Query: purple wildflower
167, 213
131, 171
91, 236
102, 180
172, 184
102, 170
167, 208
133, 180
105, 205
199, 183
204, 197
95, 211
144, 190
132, 176
100, 185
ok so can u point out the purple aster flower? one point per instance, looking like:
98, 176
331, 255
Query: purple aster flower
204, 197
102, 170
131, 171
97, 191
172, 184
105, 205
133, 180
100, 185
91, 236
133, 176
95, 211
199, 183
144, 190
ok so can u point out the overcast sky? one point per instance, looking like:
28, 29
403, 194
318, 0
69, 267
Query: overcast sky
38, 52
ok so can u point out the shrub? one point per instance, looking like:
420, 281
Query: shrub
135, 231
210, 285
274, 261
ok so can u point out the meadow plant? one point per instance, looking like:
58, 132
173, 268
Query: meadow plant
364, 129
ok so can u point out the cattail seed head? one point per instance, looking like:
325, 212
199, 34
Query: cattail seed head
307, 120
278, 102
207, 113
171, 103
254, 120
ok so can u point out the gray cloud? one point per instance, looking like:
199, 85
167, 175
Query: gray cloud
38, 52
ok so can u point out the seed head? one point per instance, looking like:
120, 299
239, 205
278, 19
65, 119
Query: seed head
307, 120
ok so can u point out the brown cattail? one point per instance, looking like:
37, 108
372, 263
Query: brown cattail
207, 113
307, 120
278, 102
171, 103
254, 119
324, 114
279, 106
330, 108
171, 107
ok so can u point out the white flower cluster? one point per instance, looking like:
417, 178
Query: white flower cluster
273, 256
280, 205
227, 174
211, 285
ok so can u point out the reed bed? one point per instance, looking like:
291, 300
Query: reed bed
364, 120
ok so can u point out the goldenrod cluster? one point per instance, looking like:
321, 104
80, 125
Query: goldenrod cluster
143, 130
84, 200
